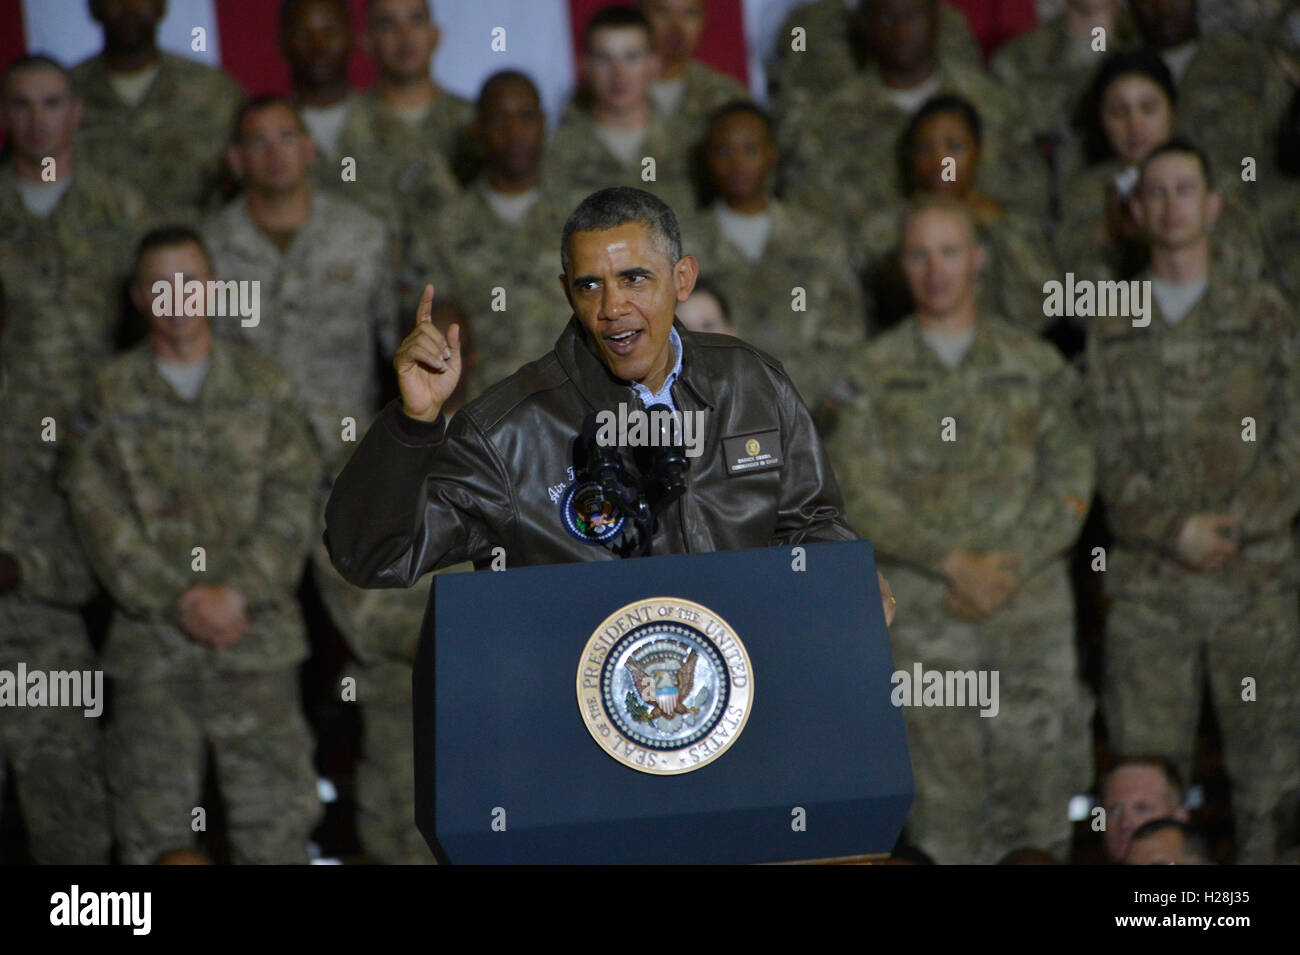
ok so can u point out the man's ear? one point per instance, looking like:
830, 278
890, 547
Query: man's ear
685, 273
141, 298
1213, 206
307, 148
1137, 212
568, 295
78, 111
235, 161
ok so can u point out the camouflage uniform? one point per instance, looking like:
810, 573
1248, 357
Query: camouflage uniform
324, 304
705, 89
844, 151
55, 751
1230, 98
234, 472
577, 160
1017, 262
1016, 479
1084, 247
473, 252
169, 147
1168, 403
1278, 219
799, 79
62, 277
800, 252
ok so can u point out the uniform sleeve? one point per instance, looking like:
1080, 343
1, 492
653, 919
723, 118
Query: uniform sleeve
414, 498
53, 569
811, 507
141, 580
875, 508
275, 550
1269, 495
1058, 504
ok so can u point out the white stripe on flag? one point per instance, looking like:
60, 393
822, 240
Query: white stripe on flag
537, 40
763, 20
64, 30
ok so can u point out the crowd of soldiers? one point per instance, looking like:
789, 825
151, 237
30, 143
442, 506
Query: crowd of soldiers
887, 226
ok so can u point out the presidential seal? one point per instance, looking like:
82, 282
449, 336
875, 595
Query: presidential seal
665, 685
587, 515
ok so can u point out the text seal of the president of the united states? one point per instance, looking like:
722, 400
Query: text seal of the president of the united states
665, 685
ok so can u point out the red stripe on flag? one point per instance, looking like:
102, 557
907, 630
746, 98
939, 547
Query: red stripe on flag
994, 23
722, 46
13, 37
250, 49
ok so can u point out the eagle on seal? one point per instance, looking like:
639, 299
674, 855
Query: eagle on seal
665, 690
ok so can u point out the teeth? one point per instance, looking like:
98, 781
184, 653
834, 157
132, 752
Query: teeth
622, 336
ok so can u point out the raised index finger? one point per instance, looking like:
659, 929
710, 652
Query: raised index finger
424, 314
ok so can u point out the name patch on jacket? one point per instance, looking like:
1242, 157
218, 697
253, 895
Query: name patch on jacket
760, 451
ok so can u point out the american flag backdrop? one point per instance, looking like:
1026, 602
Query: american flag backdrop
541, 37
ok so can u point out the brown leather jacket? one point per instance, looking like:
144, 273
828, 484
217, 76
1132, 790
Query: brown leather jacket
419, 496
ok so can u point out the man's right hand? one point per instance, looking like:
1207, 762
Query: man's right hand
215, 616
1207, 541
983, 580
427, 364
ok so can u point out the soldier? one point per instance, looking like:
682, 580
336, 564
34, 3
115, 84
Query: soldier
786, 276
1135, 791
493, 244
962, 460
55, 752
408, 109
316, 40
1130, 112
707, 309
1198, 449
1049, 68
194, 492
1232, 91
324, 269
154, 120
829, 52
1278, 203
942, 151
687, 91
63, 225
842, 156
611, 134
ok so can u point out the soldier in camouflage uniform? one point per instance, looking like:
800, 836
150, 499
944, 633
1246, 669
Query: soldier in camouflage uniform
1048, 69
687, 91
63, 229
1230, 90
326, 273
842, 151
1198, 448
786, 277
972, 528
1277, 202
199, 443
153, 120
55, 752
1016, 260
799, 78
607, 135
1131, 114
493, 253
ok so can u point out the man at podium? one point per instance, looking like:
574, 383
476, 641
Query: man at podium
512, 479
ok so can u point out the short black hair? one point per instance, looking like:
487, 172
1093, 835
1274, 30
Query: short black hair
708, 286
165, 237
1184, 147
505, 76
33, 61
1194, 843
621, 205
953, 105
290, 8
743, 107
1116, 66
263, 101
614, 17
1166, 768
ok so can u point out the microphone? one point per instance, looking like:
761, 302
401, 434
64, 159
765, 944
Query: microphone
668, 461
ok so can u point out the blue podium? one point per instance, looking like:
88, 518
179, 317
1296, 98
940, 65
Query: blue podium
514, 760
